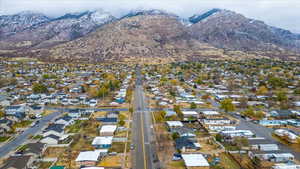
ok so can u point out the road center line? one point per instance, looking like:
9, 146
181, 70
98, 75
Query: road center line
143, 140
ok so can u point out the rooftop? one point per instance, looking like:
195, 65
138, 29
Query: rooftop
195, 160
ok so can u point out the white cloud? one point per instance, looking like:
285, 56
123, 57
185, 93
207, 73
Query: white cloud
280, 13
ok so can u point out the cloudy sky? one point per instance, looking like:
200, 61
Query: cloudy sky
280, 13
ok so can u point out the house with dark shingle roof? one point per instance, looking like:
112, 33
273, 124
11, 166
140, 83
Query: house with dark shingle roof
35, 149
18, 111
186, 144
65, 120
184, 132
18, 162
55, 129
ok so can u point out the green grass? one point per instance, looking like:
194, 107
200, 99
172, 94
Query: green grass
74, 128
177, 164
22, 124
22, 147
119, 147
37, 137
227, 162
3, 139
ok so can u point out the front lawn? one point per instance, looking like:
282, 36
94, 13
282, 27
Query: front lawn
74, 128
119, 147
4, 138
22, 124
111, 161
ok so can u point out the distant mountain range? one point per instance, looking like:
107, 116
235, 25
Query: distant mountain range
97, 35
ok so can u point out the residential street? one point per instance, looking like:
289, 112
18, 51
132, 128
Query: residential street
23, 137
144, 154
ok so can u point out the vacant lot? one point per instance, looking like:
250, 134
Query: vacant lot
52, 152
111, 161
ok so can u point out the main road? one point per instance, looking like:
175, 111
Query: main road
144, 155
23, 137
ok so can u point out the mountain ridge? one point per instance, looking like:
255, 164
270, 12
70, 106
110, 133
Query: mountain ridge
210, 34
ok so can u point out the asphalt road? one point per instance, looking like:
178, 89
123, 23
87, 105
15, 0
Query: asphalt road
95, 109
23, 137
144, 156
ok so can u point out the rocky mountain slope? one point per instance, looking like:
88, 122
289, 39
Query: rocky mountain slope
145, 35
12, 24
38, 31
227, 29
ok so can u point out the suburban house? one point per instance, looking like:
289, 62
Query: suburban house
209, 113
4, 101
186, 144
102, 142
237, 133
214, 128
74, 113
285, 166
35, 149
170, 113
50, 139
174, 124
108, 120
188, 114
281, 114
184, 131
273, 156
289, 135
192, 161
88, 158
215, 121
65, 120
272, 123
293, 122
54, 129
259, 143
18, 162
5, 125
16, 110
113, 114
37, 110
108, 130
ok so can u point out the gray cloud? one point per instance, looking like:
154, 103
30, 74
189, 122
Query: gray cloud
279, 13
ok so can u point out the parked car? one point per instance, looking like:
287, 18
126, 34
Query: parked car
131, 147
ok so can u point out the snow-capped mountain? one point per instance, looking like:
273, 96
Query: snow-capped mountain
40, 31
147, 12
230, 30
12, 24
98, 35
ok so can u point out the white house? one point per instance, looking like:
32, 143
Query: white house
194, 160
108, 130
190, 114
237, 133
102, 142
291, 137
221, 128
50, 139
174, 124
216, 121
88, 158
